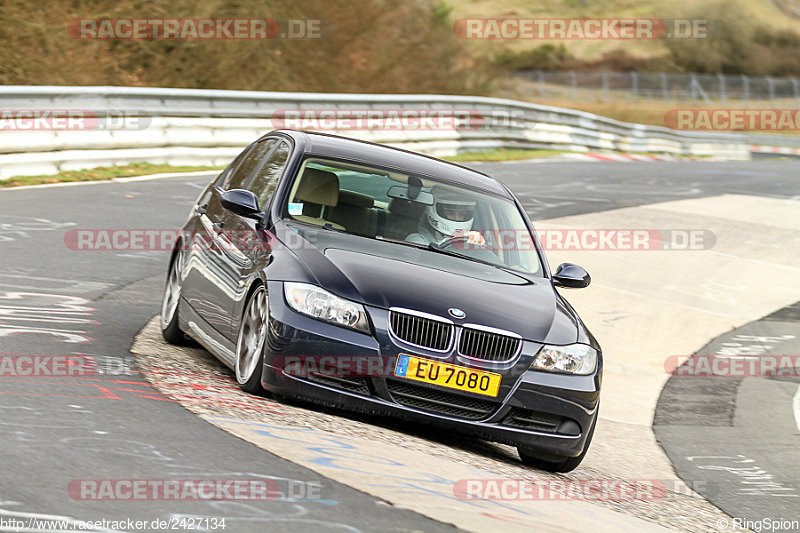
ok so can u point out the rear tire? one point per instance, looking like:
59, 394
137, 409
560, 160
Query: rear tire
170, 323
250, 342
564, 464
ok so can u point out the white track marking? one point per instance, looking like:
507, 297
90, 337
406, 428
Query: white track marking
796, 407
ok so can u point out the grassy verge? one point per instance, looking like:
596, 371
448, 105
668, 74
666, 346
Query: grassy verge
99, 173
501, 155
143, 169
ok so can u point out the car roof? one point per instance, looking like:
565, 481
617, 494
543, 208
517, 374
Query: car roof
337, 147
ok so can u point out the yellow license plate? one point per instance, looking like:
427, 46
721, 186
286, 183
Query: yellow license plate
447, 375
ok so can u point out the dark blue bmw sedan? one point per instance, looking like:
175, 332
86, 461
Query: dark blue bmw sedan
374, 279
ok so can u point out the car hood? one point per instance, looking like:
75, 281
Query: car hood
405, 278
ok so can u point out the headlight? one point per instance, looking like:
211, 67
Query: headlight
572, 359
319, 303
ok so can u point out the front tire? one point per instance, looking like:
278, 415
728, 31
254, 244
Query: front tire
170, 324
564, 464
250, 342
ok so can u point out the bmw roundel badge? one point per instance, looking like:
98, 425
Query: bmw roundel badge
455, 312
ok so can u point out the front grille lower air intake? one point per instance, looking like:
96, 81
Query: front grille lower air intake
421, 331
439, 401
488, 345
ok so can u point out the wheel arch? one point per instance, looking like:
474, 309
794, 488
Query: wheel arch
176, 249
258, 281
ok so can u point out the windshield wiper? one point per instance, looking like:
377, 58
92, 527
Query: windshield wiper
398, 241
436, 248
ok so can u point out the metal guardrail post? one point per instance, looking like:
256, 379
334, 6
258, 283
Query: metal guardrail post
771, 85
604, 76
664, 86
796, 92
697, 90
634, 84
746, 89
574, 79
722, 95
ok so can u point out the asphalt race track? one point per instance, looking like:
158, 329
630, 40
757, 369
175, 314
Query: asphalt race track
114, 425
737, 430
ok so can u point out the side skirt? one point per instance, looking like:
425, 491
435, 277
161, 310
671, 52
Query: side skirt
202, 332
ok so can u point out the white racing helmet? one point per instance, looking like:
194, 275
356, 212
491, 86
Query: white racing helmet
451, 212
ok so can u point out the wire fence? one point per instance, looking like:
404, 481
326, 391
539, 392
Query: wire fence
707, 89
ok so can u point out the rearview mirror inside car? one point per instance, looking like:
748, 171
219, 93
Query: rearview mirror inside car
401, 192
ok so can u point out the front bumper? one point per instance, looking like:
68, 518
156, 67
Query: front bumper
549, 413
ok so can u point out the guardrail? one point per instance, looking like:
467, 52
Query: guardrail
208, 127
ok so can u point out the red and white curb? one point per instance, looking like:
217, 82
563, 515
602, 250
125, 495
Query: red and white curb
597, 156
610, 156
774, 149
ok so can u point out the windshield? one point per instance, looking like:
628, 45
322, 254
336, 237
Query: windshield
414, 210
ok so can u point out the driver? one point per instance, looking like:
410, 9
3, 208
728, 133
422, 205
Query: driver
451, 215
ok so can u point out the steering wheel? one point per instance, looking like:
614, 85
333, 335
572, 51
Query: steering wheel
464, 239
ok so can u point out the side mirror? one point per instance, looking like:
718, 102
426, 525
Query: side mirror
571, 276
243, 203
